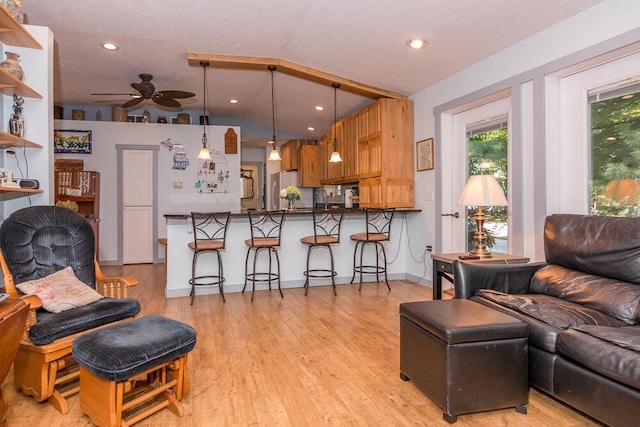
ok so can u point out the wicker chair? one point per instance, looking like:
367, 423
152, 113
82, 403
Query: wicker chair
36, 242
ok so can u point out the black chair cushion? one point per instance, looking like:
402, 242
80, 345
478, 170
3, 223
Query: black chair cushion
122, 351
40, 240
53, 326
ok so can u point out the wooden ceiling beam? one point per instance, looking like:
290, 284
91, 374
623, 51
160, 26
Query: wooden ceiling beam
290, 68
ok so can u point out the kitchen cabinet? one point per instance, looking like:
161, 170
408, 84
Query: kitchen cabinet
385, 154
309, 166
350, 149
290, 155
14, 34
325, 153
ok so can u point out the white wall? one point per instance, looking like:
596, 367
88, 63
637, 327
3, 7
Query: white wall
609, 25
106, 135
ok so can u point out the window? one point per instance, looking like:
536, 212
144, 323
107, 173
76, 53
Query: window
615, 150
487, 144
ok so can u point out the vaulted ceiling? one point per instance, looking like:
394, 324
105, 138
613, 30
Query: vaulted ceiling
360, 40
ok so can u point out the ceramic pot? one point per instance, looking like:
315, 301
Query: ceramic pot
118, 114
183, 119
12, 66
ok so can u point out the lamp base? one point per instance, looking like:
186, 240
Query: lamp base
481, 252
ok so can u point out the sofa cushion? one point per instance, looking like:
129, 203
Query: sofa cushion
618, 299
608, 351
604, 246
557, 314
60, 291
52, 326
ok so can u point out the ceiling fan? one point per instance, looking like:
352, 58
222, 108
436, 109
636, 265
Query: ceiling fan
146, 90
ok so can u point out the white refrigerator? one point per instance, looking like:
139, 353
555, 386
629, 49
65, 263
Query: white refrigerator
282, 179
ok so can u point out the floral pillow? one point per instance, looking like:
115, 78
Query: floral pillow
60, 291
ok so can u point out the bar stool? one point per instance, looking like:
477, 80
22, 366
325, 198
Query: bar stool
378, 229
266, 228
326, 231
209, 235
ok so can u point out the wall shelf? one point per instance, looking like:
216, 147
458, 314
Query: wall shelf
8, 141
10, 190
10, 85
13, 33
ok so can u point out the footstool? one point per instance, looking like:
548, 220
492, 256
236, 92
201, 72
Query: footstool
133, 369
465, 356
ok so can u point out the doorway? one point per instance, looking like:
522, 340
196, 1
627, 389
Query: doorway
251, 186
137, 204
464, 132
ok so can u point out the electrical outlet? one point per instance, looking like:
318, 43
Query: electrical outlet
177, 185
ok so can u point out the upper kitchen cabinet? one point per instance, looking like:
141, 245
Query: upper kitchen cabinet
290, 153
385, 154
309, 167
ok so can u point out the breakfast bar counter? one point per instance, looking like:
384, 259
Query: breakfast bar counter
293, 253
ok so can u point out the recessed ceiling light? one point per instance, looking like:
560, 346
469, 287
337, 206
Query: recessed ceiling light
109, 46
233, 101
417, 43
311, 128
319, 108
629, 96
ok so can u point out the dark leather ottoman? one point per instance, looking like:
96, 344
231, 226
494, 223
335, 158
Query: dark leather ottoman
465, 356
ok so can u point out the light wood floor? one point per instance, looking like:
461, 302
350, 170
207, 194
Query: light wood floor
296, 361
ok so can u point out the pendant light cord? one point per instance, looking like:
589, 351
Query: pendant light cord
272, 68
205, 119
335, 115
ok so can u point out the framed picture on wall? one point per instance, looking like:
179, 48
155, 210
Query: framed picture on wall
72, 141
424, 154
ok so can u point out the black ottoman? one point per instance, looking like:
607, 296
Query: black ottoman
127, 367
465, 356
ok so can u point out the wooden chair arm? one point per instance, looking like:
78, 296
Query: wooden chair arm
113, 287
34, 303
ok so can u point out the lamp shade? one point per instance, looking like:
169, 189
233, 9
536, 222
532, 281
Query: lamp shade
482, 190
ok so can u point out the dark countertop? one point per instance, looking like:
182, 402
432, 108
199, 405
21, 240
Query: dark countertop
297, 212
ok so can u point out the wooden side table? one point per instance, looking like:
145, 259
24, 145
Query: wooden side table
13, 315
443, 266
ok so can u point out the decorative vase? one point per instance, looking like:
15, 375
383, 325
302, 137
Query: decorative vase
292, 204
12, 66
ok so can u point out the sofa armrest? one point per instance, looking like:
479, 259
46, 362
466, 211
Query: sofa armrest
469, 277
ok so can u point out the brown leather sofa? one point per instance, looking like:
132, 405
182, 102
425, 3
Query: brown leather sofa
583, 310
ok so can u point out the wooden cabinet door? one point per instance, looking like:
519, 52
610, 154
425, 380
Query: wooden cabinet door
309, 167
374, 149
361, 125
374, 123
324, 159
350, 150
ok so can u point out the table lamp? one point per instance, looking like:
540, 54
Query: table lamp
481, 190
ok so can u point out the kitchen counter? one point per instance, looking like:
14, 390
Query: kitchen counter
292, 252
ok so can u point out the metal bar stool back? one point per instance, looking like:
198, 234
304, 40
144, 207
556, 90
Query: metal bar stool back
326, 232
377, 231
266, 229
209, 235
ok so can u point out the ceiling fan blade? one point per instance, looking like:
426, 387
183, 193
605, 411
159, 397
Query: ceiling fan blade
144, 90
116, 94
132, 102
175, 94
167, 102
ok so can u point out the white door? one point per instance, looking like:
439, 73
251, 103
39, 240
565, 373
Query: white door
137, 198
455, 128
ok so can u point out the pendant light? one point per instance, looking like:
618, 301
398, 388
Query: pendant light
204, 153
274, 154
335, 155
